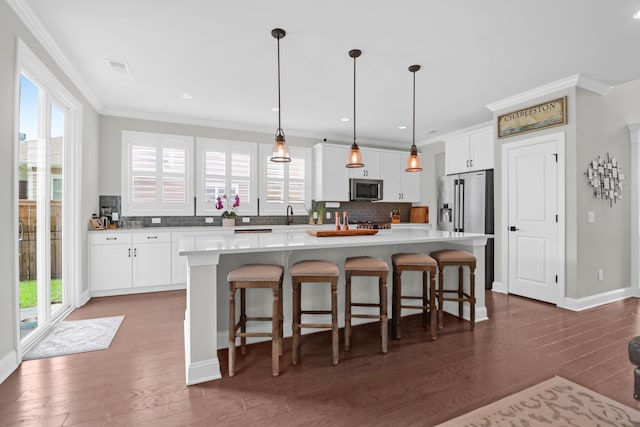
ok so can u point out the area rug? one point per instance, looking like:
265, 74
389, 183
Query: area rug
76, 336
555, 402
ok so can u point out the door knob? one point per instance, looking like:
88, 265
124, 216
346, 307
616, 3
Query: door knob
513, 228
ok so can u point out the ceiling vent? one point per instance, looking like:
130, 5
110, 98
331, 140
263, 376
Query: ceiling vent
118, 66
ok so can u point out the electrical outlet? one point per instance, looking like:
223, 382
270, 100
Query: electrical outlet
600, 274
591, 217
328, 215
155, 220
208, 220
246, 219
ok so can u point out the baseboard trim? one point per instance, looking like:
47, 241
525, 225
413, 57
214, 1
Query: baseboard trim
141, 290
8, 364
579, 304
200, 372
500, 288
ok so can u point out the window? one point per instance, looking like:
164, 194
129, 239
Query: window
285, 183
226, 167
158, 170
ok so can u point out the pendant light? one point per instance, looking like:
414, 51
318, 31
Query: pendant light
355, 158
280, 150
413, 162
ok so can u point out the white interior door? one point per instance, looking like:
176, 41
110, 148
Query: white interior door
532, 220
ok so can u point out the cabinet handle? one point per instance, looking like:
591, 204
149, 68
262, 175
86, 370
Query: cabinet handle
471, 162
135, 252
467, 163
129, 252
112, 238
152, 237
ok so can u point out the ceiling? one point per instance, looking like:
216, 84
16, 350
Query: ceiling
472, 53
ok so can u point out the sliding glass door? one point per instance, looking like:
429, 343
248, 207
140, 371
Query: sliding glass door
41, 206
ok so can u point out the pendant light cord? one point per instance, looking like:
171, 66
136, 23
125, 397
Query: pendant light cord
279, 122
413, 141
354, 99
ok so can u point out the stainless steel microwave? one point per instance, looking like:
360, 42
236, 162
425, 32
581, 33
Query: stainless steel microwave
365, 189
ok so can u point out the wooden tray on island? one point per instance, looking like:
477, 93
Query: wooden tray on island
335, 233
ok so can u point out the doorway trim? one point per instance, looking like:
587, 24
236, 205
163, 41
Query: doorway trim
560, 203
27, 60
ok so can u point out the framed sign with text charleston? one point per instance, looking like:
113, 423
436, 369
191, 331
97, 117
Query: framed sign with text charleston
547, 114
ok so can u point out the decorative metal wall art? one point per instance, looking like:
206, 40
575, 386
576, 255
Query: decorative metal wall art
605, 176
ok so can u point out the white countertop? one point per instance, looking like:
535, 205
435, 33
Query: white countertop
296, 237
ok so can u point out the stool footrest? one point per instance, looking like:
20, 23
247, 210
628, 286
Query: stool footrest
410, 297
364, 304
253, 334
259, 319
366, 316
422, 307
315, 312
315, 325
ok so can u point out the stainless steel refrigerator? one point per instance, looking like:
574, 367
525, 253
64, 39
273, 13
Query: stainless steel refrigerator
465, 204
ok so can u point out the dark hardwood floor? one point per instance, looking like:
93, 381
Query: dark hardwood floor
140, 379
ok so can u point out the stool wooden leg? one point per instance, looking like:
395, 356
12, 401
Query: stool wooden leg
347, 313
275, 320
432, 303
460, 292
425, 298
396, 305
472, 293
295, 323
243, 320
232, 330
384, 321
281, 321
334, 321
440, 297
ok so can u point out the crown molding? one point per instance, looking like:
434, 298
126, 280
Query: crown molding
454, 134
578, 80
34, 25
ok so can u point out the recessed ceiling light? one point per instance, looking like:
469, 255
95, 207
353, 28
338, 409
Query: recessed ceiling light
274, 109
636, 15
402, 127
345, 119
118, 66
186, 96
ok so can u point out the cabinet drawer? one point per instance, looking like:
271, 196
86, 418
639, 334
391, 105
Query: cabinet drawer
107, 238
152, 237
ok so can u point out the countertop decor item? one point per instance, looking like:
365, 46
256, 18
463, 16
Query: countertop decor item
229, 204
335, 233
280, 150
413, 162
605, 177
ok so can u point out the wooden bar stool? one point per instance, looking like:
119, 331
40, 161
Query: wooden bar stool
428, 266
366, 266
314, 272
448, 257
252, 276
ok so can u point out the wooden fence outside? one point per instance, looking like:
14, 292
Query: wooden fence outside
27, 246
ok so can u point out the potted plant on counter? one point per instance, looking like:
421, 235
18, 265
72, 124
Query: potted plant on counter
229, 204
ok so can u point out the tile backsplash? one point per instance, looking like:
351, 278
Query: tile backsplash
358, 211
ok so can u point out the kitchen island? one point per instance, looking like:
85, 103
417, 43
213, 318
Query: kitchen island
210, 256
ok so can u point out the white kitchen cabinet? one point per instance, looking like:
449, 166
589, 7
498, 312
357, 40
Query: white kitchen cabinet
125, 261
371, 160
398, 185
151, 259
469, 151
178, 263
331, 181
109, 261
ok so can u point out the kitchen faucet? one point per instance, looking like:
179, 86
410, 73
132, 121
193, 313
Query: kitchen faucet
289, 215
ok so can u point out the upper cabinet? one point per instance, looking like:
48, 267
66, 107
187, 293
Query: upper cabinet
469, 151
332, 177
371, 160
398, 185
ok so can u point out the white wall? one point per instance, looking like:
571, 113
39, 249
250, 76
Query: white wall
10, 28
